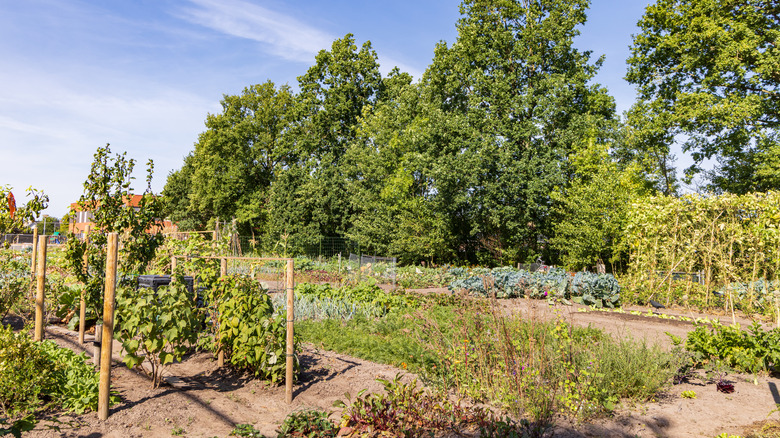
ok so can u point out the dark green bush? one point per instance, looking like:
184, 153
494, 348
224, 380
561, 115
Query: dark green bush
253, 339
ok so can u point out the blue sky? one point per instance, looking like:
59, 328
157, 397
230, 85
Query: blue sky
143, 74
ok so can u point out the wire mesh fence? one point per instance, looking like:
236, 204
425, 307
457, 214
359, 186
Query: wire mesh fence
323, 248
383, 268
21, 241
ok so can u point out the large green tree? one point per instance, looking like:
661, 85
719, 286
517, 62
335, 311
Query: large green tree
229, 174
522, 96
591, 211
402, 205
333, 94
707, 73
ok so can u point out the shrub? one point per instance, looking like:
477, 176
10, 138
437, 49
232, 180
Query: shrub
34, 375
157, 326
15, 278
27, 374
749, 351
247, 331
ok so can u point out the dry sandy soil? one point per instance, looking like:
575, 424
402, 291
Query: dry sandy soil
205, 401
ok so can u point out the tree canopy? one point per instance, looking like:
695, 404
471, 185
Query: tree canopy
707, 73
505, 149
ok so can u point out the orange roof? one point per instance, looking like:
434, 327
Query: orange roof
135, 201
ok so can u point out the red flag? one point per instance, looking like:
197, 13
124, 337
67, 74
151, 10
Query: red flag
11, 204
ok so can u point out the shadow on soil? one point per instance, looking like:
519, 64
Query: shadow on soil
223, 382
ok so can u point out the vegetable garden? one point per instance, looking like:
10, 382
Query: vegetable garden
535, 373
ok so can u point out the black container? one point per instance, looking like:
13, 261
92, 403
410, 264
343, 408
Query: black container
155, 281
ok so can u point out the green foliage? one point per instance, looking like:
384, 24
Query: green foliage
538, 368
688, 394
246, 430
310, 199
307, 423
36, 375
748, 351
415, 277
519, 113
545, 367
195, 246
600, 290
107, 191
385, 340
77, 381
363, 295
24, 213
229, 174
48, 225
247, 330
458, 166
27, 374
593, 207
14, 279
728, 238
156, 326
404, 409
706, 70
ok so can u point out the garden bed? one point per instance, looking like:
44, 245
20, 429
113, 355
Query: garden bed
206, 401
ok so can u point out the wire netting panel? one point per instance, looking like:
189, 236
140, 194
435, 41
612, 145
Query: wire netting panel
269, 273
382, 268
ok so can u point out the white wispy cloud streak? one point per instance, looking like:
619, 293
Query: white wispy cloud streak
282, 35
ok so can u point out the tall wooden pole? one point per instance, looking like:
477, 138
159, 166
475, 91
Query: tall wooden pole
83, 301
108, 326
34, 253
39, 299
290, 331
221, 352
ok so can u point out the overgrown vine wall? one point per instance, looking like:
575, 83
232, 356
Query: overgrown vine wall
731, 240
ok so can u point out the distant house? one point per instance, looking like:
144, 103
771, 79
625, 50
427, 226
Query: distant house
83, 219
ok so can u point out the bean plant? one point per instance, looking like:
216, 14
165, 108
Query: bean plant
253, 339
157, 326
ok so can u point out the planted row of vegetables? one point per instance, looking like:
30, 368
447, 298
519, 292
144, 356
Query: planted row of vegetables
599, 290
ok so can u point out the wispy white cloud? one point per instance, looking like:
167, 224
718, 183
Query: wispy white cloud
280, 34
50, 127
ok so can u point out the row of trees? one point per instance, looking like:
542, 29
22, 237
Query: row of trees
503, 151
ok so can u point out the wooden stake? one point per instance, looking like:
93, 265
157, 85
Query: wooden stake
39, 300
290, 330
83, 301
96, 345
34, 253
108, 326
221, 352
173, 265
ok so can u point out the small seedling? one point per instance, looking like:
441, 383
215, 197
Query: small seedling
688, 394
246, 430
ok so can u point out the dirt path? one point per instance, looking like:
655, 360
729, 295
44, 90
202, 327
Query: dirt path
207, 401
